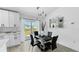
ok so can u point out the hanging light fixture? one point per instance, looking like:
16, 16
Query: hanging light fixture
40, 12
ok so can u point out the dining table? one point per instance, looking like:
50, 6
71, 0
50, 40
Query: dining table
44, 39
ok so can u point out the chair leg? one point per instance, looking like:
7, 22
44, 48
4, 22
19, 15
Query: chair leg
54, 46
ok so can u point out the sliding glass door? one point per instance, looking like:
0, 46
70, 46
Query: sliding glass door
27, 27
30, 26
35, 26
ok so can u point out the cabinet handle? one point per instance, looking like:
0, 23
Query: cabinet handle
14, 25
2, 25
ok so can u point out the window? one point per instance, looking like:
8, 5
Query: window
30, 26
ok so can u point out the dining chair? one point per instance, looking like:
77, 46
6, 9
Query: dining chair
54, 40
33, 42
49, 34
36, 34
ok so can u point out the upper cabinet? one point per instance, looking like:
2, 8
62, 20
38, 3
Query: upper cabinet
11, 19
14, 19
0, 18
4, 21
17, 20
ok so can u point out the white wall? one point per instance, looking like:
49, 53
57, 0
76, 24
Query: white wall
69, 35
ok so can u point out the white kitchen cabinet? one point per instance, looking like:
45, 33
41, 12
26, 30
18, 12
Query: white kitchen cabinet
11, 19
17, 20
0, 18
13, 40
4, 18
14, 19
17, 38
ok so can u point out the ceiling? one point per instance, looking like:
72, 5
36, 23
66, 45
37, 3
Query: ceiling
32, 12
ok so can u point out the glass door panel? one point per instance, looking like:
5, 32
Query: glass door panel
27, 27
30, 26
35, 26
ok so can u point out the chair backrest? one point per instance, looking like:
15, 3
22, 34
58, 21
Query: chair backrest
49, 34
35, 33
55, 39
32, 39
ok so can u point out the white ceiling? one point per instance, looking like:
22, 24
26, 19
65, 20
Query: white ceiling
32, 12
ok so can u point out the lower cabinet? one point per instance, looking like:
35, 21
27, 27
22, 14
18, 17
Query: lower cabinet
13, 40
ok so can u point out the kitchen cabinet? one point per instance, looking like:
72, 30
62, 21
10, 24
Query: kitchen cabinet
14, 22
13, 40
11, 18
0, 18
17, 20
4, 18
10, 21
14, 19
17, 39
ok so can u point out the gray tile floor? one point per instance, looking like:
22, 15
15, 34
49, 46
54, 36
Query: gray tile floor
26, 47
61, 48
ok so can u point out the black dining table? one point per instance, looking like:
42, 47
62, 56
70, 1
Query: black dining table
44, 39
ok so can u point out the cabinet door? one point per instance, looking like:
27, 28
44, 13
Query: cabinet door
17, 20
17, 40
0, 18
4, 18
11, 19
11, 41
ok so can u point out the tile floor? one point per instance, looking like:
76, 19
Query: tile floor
26, 47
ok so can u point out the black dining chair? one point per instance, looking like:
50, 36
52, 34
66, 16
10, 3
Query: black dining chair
49, 34
33, 43
36, 34
47, 46
54, 40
